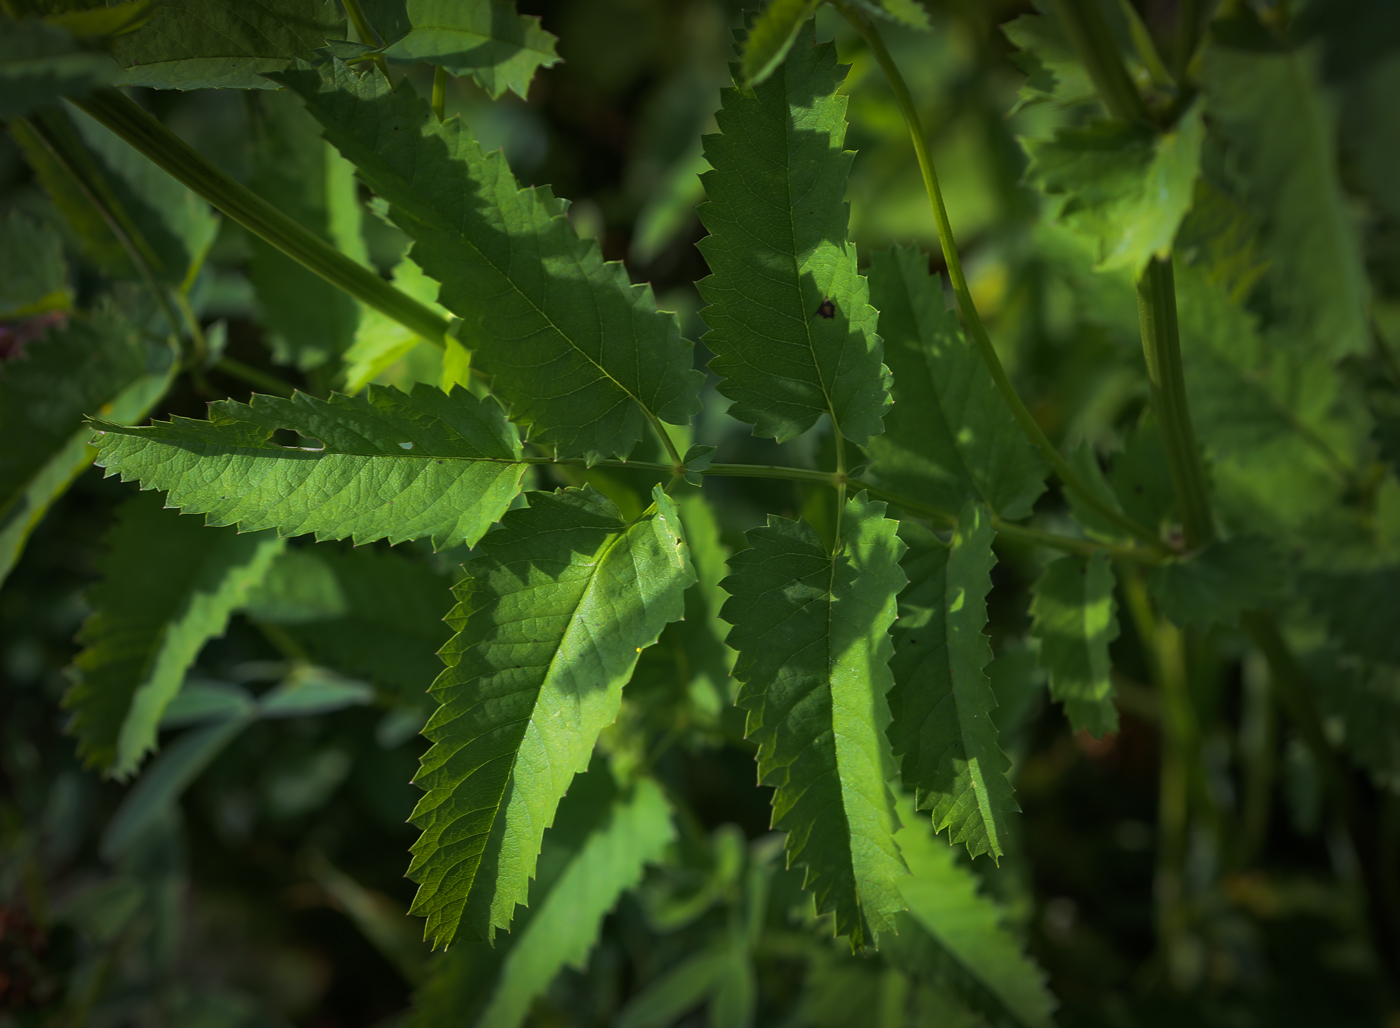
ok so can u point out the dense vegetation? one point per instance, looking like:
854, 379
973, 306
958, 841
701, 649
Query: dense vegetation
913, 539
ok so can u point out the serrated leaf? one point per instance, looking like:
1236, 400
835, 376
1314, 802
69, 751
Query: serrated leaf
1140, 477
39, 63
955, 938
633, 830
797, 339
1360, 609
310, 320
949, 438
380, 341
33, 278
168, 586
391, 465
909, 13
1054, 73
771, 37
1121, 184
1214, 586
580, 354
550, 620
1280, 154
485, 39
1085, 461
812, 631
362, 612
1072, 613
942, 699
97, 364
209, 44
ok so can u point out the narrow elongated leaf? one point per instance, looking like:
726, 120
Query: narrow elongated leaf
790, 320
425, 465
942, 698
169, 585
33, 279
1073, 617
581, 356
1274, 119
485, 39
40, 63
96, 364
949, 438
632, 831
812, 631
954, 936
1213, 587
208, 44
772, 36
1122, 184
550, 620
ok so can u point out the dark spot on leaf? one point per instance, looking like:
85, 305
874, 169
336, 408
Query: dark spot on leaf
827, 309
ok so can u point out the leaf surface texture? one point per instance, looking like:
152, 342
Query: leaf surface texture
1073, 616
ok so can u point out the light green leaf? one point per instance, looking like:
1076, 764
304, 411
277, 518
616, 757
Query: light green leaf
299, 173
812, 631
96, 364
168, 586
209, 44
39, 63
790, 322
379, 339
633, 831
550, 620
909, 13
425, 465
1121, 184
1073, 617
201, 702
33, 278
1214, 586
1280, 152
581, 356
485, 39
954, 937
772, 36
1360, 609
942, 698
1054, 73
310, 690
949, 438
362, 612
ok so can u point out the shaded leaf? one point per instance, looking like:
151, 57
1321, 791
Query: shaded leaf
1360, 609
771, 37
798, 340
1054, 73
812, 631
909, 13
39, 63
1225, 578
1365, 702
1073, 617
33, 279
1140, 477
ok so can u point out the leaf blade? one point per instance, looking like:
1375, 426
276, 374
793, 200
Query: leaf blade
1073, 616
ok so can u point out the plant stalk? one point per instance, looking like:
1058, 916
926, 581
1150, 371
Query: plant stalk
169, 152
1093, 41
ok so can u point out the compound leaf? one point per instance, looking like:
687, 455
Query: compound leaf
790, 322
771, 37
550, 621
420, 465
581, 355
949, 438
95, 363
169, 584
1214, 586
942, 698
485, 39
812, 631
1073, 616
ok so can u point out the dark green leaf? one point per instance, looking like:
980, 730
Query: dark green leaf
1214, 586
40, 63
33, 279
772, 36
1360, 608
1074, 619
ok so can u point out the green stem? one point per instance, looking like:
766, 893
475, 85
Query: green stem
1093, 41
253, 376
1161, 346
366, 32
169, 152
440, 92
968, 310
1190, 18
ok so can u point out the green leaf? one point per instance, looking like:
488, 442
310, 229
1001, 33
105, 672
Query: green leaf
790, 322
1054, 73
308, 690
909, 13
1214, 586
1365, 702
299, 173
772, 36
550, 620
1085, 462
1073, 617
362, 612
40, 63
209, 44
1360, 609
1140, 477
812, 631
33, 278
1122, 185
168, 586
949, 438
379, 339
581, 356
1275, 124
942, 698
633, 831
681, 989
954, 937
485, 39
93, 364
420, 465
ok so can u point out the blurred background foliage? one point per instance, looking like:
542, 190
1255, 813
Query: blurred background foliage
260, 881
